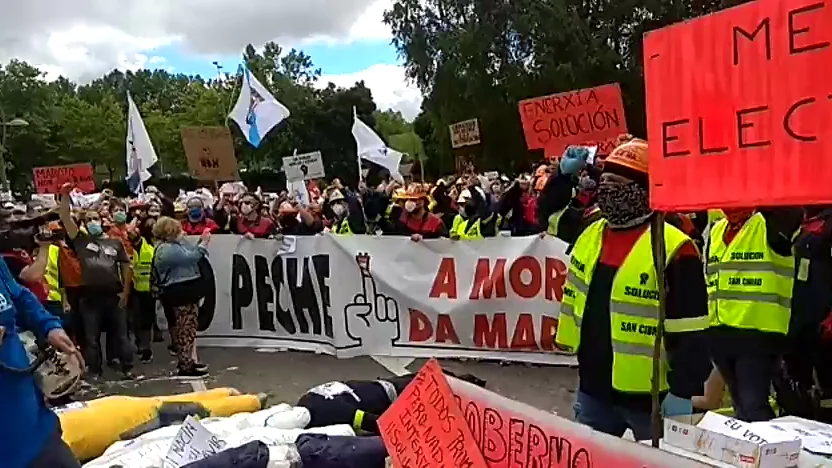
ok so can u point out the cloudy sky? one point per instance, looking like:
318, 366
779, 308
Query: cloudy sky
83, 39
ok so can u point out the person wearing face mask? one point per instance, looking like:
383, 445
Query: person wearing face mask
106, 282
609, 312
475, 220
295, 220
197, 220
154, 210
143, 301
250, 222
118, 228
413, 219
347, 216
750, 273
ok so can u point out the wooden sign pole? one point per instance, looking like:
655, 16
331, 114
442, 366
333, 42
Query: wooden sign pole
659, 262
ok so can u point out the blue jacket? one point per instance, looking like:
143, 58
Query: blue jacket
177, 262
28, 423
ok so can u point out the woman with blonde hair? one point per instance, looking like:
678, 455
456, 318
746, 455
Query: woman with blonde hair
177, 279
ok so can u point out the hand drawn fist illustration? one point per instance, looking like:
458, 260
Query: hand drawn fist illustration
371, 317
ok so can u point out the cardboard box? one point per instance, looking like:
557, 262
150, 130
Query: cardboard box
731, 441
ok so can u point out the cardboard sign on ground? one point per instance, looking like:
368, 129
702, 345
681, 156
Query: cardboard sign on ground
465, 133
738, 108
304, 166
210, 153
49, 179
584, 116
425, 427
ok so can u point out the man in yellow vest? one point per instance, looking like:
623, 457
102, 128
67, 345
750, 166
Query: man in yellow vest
348, 214
750, 274
144, 303
476, 220
609, 314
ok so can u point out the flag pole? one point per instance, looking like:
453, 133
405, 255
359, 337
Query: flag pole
659, 262
358, 156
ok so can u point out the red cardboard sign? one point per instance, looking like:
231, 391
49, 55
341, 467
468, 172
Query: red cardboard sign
738, 108
576, 117
49, 179
512, 434
425, 427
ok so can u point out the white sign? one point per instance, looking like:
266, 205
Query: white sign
465, 133
192, 443
304, 166
496, 298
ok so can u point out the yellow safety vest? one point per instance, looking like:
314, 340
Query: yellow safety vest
749, 285
343, 228
52, 276
142, 264
715, 216
461, 229
554, 221
634, 306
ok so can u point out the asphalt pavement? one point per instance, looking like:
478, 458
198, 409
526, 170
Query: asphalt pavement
286, 375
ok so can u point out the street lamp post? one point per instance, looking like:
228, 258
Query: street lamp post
16, 122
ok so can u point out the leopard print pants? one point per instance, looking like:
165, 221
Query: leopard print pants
186, 334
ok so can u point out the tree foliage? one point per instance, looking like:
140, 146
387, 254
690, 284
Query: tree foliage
478, 58
71, 123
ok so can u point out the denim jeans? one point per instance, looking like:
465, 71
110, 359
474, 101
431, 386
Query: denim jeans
748, 377
101, 313
610, 419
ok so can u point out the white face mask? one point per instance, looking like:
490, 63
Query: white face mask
410, 206
245, 209
339, 209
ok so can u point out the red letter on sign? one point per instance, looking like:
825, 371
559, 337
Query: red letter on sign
490, 335
555, 277
548, 330
526, 290
445, 280
420, 327
485, 280
523, 337
445, 330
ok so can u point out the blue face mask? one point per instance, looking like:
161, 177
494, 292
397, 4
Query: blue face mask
94, 228
195, 214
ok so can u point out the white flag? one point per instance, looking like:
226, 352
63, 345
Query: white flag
140, 153
256, 111
372, 148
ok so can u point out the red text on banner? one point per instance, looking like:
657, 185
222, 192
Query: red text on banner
738, 107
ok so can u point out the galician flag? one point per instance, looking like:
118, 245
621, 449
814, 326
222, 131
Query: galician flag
140, 153
256, 111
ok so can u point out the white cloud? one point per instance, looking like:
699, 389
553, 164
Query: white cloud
157, 60
390, 88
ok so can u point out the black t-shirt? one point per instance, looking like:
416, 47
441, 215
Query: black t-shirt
100, 259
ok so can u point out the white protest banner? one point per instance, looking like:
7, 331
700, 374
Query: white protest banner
497, 298
192, 443
465, 133
511, 433
304, 166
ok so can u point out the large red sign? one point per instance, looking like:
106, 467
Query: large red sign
50, 179
584, 116
738, 108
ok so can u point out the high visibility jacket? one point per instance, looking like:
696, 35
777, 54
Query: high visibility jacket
52, 276
343, 228
142, 264
466, 230
715, 216
634, 306
749, 285
554, 221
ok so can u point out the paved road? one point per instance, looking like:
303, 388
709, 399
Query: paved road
286, 375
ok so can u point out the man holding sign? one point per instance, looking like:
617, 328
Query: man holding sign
610, 309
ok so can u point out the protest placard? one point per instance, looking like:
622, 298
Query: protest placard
192, 443
210, 153
50, 179
513, 434
737, 110
465, 133
425, 427
304, 166
593, 115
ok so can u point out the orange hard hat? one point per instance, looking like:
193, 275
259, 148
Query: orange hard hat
631, 154
415, 192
